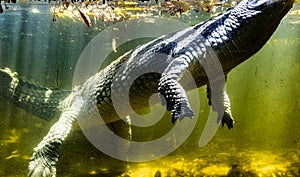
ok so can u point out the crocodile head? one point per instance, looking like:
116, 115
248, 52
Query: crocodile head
260, 18
250, 25
273, 10
270, 4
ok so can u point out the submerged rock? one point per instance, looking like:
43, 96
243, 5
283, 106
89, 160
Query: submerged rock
238, 171
157, 174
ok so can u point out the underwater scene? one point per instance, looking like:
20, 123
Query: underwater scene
45, 42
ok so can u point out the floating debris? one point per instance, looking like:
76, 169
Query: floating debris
112, 11
295, 12
114, 45
175, 7
13, 138
35, 11
85, 18
12, 156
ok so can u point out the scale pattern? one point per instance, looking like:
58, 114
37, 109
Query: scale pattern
231, 38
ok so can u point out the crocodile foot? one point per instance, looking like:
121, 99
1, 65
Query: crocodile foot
44, 159
228, 120
174, 97
224, 104
40, 167
181, 110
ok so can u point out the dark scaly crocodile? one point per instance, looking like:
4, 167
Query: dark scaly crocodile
233, 37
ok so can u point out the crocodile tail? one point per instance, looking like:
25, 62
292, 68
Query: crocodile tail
40, 101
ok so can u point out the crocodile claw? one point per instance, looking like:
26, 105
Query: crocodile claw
228, 120
181, 110
38, 168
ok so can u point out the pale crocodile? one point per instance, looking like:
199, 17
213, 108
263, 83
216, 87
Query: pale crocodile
233, 37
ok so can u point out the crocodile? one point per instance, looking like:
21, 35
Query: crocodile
232, 37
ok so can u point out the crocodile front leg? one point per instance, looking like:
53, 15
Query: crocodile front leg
44, 159
172, 93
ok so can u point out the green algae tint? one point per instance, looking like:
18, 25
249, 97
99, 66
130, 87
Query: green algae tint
264, 93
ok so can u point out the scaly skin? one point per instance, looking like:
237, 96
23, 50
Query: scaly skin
231, 38
40, 101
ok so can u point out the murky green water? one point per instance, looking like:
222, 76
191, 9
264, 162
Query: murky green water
264, 92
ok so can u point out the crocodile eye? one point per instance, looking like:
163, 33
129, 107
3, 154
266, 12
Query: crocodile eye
257, 4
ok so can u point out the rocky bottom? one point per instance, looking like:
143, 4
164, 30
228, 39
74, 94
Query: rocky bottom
243, 164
